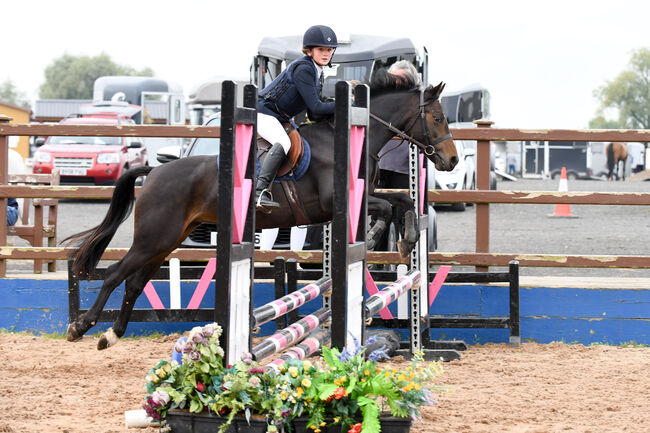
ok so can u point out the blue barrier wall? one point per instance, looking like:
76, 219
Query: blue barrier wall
547, 314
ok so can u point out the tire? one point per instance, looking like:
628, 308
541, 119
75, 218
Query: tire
472, 187
493, 181
140, 181
391, 244
458, 207
433, 231
572, 176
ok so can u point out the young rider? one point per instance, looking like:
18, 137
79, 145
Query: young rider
297, 88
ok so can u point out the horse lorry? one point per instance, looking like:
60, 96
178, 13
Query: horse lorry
162, 102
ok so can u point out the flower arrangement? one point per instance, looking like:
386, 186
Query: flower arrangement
353, 391
344, 389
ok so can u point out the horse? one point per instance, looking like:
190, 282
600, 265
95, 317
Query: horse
181, 194
616, 152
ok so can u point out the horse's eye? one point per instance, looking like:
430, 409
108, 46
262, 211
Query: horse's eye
437, 119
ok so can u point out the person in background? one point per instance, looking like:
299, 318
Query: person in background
394, 162
12, 211
394, 156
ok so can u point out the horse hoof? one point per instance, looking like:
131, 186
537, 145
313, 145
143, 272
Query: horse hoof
107, 339
72, 334
404, 248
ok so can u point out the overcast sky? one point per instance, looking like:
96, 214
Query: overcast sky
541, 61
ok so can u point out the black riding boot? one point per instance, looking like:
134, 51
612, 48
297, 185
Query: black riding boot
263, 198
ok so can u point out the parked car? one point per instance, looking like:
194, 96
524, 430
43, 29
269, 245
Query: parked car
462, 177
97, 160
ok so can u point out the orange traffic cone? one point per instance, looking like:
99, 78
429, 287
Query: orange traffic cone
563, 210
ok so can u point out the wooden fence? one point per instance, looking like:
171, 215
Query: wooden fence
483, 197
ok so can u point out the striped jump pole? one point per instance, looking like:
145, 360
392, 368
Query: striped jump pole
290, 302
290, 335
309, 346
390, 293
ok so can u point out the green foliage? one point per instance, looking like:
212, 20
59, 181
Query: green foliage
628, 94
345, 389
73, 77
11, 95
600, 122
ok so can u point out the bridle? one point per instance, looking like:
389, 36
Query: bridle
427, 148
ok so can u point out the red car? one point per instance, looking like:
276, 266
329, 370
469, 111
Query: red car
97, 160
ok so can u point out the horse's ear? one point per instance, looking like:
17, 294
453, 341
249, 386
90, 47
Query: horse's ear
434, 92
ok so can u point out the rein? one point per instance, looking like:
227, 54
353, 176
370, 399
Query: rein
427, 148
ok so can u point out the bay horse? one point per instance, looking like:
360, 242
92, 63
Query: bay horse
616, 152
179, 195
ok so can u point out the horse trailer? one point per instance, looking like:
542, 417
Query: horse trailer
162, 102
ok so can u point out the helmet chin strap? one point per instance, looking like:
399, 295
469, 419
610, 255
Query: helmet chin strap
329, 64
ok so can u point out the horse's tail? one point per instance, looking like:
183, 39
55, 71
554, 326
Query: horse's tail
93, 242
610, 157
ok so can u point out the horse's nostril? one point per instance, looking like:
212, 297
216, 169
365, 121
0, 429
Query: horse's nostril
453, 161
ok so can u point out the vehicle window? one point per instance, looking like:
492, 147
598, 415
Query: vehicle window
206, 146
85, 140
469, 107
346, 71
450, 107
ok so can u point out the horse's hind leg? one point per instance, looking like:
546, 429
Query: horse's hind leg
114, 276
133, 288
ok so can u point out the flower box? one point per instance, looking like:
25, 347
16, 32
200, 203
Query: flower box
389, 424
186, 422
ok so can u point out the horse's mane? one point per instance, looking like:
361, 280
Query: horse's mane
383, 82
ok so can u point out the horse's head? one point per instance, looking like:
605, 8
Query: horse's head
416, 115
434, 131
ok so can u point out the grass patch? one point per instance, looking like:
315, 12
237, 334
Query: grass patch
624, 344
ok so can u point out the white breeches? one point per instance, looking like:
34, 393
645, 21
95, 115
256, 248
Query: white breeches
270, 129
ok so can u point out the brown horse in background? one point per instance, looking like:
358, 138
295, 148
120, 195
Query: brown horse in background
616, 152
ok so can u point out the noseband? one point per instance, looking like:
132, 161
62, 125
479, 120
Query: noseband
427, 148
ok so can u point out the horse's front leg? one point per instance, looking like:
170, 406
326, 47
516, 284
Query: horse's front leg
382, 213
406, 207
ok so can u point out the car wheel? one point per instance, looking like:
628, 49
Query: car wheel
572, 175
493, 181
391, 244
458, 207
472, 187
140, 180
433, 230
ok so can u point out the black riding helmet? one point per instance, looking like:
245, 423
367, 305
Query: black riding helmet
319, 36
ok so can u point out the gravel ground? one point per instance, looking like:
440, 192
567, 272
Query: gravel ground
617, 230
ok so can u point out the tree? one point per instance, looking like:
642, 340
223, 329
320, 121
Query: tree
13, 96
600, 122
73, 77
628, 94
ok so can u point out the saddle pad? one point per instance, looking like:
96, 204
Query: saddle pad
300, 170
